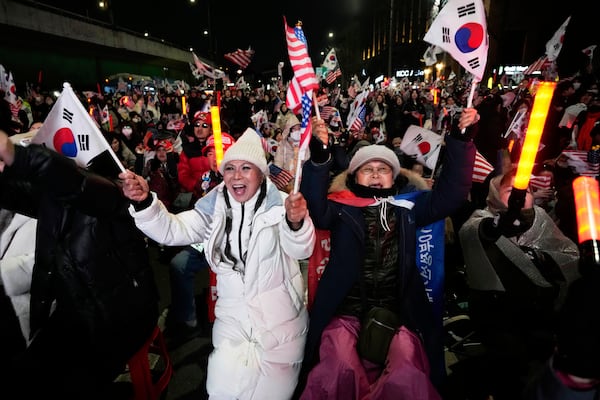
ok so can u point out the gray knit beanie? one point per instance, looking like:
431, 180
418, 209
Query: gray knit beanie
374, 152
247, 148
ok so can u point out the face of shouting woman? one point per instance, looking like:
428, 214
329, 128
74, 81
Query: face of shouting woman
242, 179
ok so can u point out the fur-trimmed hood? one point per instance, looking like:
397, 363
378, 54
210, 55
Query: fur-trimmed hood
405, 177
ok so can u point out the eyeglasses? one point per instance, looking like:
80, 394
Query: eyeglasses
372, 171
198, 124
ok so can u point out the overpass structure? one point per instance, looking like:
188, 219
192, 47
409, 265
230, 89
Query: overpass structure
47, 46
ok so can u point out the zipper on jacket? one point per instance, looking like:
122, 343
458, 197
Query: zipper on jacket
242, 257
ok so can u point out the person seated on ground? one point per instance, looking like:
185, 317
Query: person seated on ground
518, 276
182, 323
91, 265
254, 236
372, 263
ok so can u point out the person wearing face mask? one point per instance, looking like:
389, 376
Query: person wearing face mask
253, 236
285, 155
518, 276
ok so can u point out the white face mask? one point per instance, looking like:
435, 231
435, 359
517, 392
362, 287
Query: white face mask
576, 85
126, 131
295, 135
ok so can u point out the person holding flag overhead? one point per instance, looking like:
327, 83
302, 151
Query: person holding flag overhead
253, 235
372, 268
94, 301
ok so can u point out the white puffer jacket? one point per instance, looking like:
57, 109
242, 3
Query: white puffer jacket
261, 320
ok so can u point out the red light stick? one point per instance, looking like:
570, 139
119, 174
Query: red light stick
587, 206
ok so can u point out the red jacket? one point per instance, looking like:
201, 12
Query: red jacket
190, 169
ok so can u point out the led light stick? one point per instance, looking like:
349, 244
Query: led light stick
530, 147
216, 129
587, 208
183, 105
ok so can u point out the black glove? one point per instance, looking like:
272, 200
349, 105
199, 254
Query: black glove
507, 224
578, 334
319, 153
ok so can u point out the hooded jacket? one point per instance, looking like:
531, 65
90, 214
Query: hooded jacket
347, 227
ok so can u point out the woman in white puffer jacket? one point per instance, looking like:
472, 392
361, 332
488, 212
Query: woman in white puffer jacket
253, 237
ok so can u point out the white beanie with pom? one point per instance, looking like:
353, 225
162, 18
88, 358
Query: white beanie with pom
247, 148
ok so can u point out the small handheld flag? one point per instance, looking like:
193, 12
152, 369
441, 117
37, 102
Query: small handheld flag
70, 130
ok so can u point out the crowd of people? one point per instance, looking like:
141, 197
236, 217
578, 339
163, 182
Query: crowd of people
70, 296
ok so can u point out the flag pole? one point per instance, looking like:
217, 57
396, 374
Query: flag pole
316, 106
298, 174
474, 84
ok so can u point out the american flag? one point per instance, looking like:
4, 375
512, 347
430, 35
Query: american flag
359, 121
540, 182
305, 124
240, 57
293, 96
578, 160
538, 65
481, 168
327, 112
279, 176
299, 58
355, 120
333, 75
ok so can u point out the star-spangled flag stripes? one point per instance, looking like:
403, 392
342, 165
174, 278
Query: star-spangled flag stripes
359, 121
299, 58
538, 65
333, 75
460, 29
481, 168
293, 96
540, 182
240, 57
305, 125
356, 107
577, 159
70, 130
327, 112
279, 176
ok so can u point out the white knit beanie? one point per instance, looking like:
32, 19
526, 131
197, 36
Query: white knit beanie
374, 152
247, 148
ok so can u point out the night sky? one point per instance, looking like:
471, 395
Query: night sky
235, 24
259, 24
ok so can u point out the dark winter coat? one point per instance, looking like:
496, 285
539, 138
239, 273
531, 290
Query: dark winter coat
90, 258
347, 227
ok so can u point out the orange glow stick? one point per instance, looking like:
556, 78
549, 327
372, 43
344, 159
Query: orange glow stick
511, 143
216, 129
183, 105
535, 128
587, 208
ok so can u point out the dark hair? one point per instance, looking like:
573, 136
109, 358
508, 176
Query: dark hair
229, 222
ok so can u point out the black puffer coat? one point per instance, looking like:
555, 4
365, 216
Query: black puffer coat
90, 258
